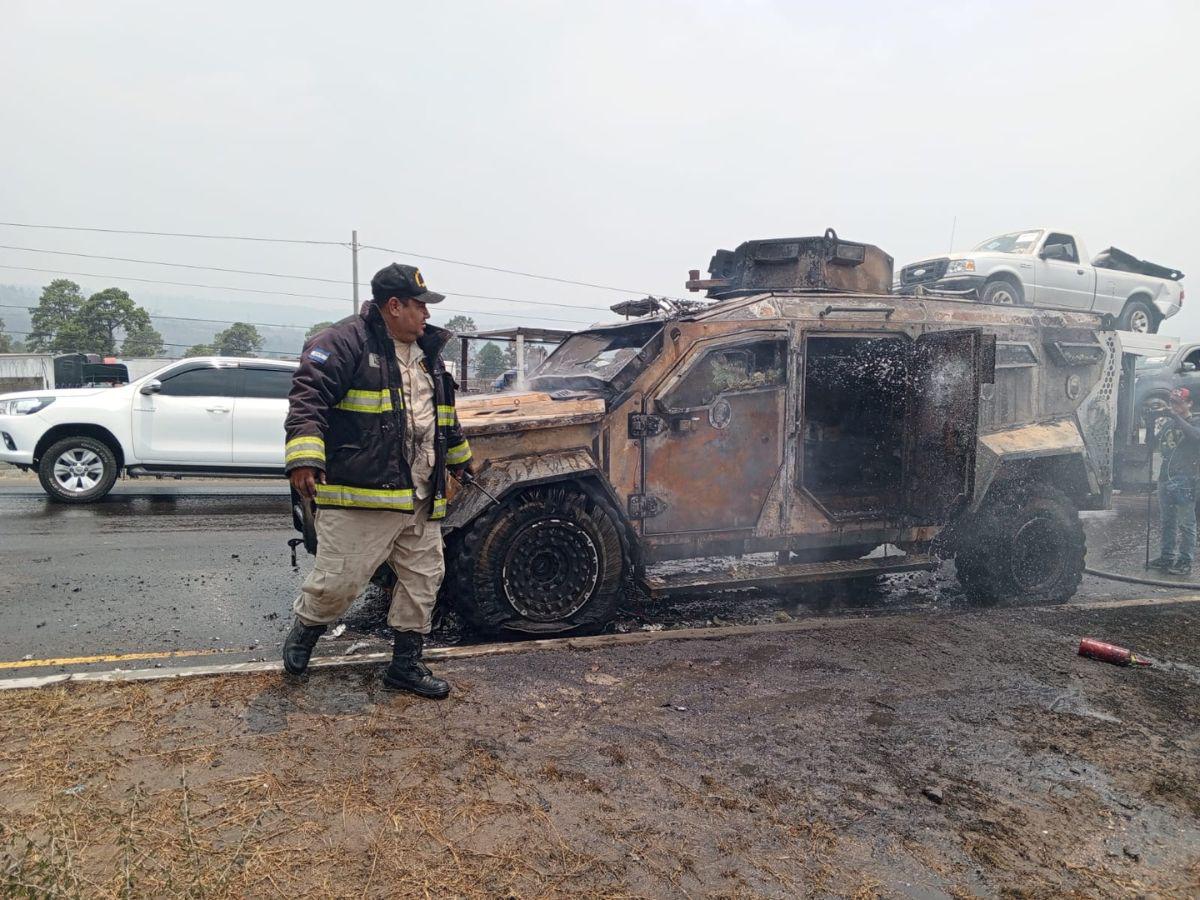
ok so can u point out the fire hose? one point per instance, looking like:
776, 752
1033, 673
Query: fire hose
1151, 582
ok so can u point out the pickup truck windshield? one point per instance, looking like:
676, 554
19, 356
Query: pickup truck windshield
1016, 242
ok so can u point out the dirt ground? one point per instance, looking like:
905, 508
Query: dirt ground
950, 754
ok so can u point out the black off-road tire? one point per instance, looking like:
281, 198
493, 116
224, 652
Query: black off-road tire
996, 291
93, 463
1138, 316
549, 559
1026, 545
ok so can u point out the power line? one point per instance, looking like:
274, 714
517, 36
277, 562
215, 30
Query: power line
173, 265
258, 291
280, 324
215, 287
459, 262
165, 344
273, 240
182, 318
207, 237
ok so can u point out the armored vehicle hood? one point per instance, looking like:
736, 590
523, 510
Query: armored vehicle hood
488, 414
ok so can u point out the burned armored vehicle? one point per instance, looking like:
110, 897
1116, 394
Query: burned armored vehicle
799, 409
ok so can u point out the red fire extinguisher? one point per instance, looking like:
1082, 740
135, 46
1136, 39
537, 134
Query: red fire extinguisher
1110, 653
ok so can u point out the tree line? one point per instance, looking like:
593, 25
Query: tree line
108, 322
65, 321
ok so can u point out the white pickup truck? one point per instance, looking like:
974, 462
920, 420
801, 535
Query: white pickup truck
1045, 267
205, 416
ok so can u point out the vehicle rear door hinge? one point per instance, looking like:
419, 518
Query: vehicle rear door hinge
645, 506
646, 425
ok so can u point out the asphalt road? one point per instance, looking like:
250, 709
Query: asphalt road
156, 567
178, 573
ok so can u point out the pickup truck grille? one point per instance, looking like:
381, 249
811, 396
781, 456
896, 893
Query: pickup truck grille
923, 272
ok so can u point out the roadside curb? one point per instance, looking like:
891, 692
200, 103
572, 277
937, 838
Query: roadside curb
594, 642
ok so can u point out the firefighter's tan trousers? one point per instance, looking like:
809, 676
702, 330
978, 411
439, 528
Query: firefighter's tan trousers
351, 545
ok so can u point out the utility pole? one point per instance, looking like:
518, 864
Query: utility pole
354, 266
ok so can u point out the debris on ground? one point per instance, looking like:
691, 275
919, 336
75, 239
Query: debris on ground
1110, 653
804, 763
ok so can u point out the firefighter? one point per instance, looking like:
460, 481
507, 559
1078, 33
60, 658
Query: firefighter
371, 431
1180, 442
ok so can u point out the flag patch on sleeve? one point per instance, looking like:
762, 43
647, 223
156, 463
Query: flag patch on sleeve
316, 354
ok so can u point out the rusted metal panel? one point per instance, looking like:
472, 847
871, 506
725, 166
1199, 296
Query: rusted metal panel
825, 263
500, 476
714, 471
799, 573
1030, 441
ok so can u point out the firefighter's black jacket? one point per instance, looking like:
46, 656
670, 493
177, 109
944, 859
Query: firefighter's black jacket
346, 416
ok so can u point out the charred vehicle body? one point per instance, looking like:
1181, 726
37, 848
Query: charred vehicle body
801, 410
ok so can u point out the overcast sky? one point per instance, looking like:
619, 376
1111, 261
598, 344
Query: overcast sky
618, 143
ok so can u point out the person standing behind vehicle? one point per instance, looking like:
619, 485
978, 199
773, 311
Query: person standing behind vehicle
1179, 439
371, 430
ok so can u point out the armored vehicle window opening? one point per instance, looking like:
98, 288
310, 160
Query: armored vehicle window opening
605, 361
1015, 354
746, 365
855, 395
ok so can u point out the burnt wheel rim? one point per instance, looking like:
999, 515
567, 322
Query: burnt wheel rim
550, 570
1039, 555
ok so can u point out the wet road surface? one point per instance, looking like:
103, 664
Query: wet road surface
178, 573
155, 567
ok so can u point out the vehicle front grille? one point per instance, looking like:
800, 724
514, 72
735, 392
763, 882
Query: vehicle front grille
923, 272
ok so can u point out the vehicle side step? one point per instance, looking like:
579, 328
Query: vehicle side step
770, 576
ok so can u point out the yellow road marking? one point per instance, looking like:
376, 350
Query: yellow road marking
104, 657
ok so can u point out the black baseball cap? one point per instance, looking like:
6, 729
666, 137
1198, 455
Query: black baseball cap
403, 282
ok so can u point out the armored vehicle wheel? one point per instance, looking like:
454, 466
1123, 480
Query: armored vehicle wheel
549, 559
1027, 544
1002, 292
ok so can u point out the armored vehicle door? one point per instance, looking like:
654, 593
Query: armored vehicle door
712, 436
942, 423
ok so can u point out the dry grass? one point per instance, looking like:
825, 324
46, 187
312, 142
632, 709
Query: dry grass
112, 792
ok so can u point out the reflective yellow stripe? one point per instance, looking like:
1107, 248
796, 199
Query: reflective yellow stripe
367, 401
439, 508
305, 447
365, 498
304, 456
458, 454
446, 415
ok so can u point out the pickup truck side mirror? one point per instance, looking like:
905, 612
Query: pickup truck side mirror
153, 386
1054, 251
1186, 367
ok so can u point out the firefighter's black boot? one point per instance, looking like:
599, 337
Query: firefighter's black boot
298, 646
1161, 562
408, 673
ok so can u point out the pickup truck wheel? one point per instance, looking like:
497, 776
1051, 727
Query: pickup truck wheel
547, 560
1002, 293
77, 470
1138, 316
1027, 544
